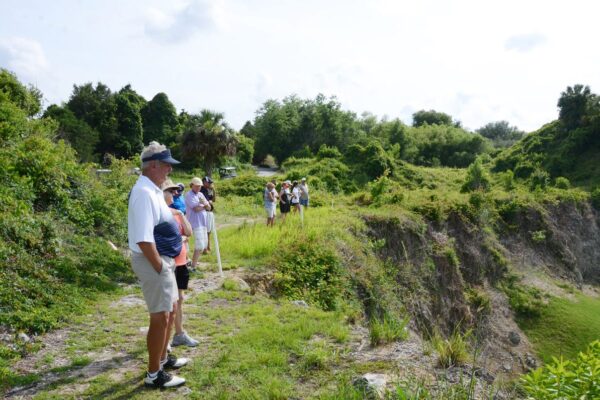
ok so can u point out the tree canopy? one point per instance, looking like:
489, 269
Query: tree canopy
206, 139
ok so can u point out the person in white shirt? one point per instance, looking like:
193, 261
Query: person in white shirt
296, 196
304, 193
147, 209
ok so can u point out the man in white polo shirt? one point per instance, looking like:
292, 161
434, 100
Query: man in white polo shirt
147, 208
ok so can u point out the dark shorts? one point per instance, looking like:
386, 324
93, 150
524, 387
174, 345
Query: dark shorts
284, 208
304, 202
182, 276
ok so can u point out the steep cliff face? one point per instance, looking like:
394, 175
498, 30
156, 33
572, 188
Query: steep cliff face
440, 264
562, 239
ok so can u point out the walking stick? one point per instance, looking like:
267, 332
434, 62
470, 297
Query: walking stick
217, 246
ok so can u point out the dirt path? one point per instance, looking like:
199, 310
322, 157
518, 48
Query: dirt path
69, 359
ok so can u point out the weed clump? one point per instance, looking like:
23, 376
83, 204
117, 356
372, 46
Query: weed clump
452, 351
387, 330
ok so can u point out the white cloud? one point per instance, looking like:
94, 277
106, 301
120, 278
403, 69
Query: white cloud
23, 56
525, 43
183, 22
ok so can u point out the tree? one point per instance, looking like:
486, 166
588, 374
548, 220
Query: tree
248, 130
432, 117
287, 127
82, 137
28, 99
97, 107
206, 139
159, 117
129, 126
245, 149
501, 133
574, 103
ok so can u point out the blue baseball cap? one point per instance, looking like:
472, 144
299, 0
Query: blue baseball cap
164, 156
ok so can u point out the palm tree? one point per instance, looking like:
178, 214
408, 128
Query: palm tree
206, 139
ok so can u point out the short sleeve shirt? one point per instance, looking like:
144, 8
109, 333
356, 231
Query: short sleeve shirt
192, 200
147, 208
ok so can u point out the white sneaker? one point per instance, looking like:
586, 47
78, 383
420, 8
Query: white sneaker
184, 340
173, 362
163, 380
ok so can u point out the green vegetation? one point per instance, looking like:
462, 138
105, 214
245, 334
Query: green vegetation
57, 216
452, 351
563, 327
408, 226
564, 379
567, 147
388, 330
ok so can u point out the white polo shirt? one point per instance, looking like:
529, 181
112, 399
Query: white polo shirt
147, 208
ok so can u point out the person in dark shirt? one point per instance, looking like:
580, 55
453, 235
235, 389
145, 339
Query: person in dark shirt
208, 191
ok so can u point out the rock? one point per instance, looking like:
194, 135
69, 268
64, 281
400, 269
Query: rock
514, 338
530, 362
484, 374
241, 284
372, 385
184, 391
300, 303
507, 367
24, 338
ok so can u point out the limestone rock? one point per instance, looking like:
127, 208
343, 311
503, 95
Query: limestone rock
372, 385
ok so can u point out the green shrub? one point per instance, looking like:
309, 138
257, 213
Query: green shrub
538, 236
328, 152
477, 178
309, 271
563, 379
387, 330
242, 185
525, 301
478, 300
562, 183
539, 179
507, 180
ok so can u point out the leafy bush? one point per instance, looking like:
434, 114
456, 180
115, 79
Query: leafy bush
309, 271
328, 152
507, 179
539, 179
562, 183
563, 379
477, 178
525, 301
55, 217
243, 185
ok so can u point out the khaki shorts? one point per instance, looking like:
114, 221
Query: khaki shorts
160, 290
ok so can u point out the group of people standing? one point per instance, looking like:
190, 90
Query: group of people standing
160, 221
293, 195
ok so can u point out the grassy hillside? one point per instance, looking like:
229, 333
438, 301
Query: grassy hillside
568, 147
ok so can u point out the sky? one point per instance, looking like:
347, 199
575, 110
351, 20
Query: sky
479, 61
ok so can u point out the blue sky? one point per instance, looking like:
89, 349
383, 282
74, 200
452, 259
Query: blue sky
479, 61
